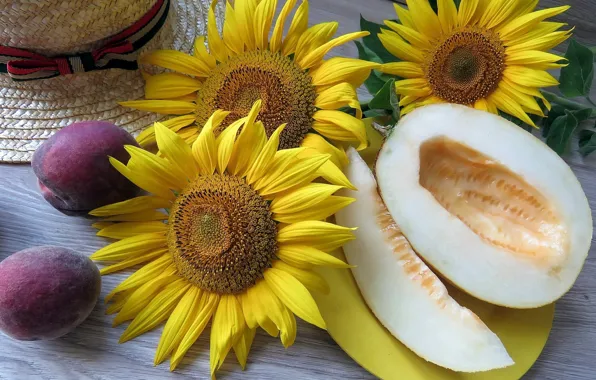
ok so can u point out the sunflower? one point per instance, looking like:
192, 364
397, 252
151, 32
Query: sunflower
490, 55
244, 226
296, 85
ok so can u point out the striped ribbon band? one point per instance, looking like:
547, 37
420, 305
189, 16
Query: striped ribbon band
119, 52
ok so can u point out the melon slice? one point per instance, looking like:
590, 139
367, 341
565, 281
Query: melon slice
486, 204
403, 293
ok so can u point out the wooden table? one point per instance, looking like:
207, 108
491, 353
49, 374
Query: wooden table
92, 352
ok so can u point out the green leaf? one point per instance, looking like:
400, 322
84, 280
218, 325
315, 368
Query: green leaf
561, 131
576, 78
373, 83
587, 142
557, 111
373, 42
386, 99
374, 113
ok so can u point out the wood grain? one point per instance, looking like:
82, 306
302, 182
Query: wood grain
91, 351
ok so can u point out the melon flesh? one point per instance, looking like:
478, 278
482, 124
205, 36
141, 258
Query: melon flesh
486, 204
403, 293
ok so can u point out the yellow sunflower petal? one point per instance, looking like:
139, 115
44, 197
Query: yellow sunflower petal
217, 47
263, 17
118, 302
131, 262
399, 47
418, 40
417, 87
338, 96
242, 347
142, 203
525, 101
128, 229
261, 309
277, 312
170, 85
466, 11
248, 309
177, 61
339, 69
225, 145
150, 165
146, 183
176, 151
245, 12
321, 211
276, 36
302, 256
539, 60
544, 42
329, 171
297, 28
505, 103
302, 198
340, 126
143, 275
294, 295
320, 235
282, 159
165, 107
303, 171
141, 216
158, 310
200, 52
316, 56
404, 16
178, 324
264, 160
425, 19
130, 247
147, 136
310, 279
314, 37
249, 143
528, 91
529, 77
204, 149
497, 12
227, 328
319, 144
540, 30
447, 12
231, 31
481, 105
527, 22
206, 307
403, 69
141, 297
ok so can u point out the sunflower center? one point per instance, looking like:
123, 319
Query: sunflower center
466, 66
221, 234
286, 92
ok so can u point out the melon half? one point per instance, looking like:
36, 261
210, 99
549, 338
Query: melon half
403, 293
486, 204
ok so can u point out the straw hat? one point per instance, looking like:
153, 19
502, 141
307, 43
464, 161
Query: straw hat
38, 93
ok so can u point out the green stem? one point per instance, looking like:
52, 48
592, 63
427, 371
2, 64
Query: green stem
554, 98
590, 101
594, 51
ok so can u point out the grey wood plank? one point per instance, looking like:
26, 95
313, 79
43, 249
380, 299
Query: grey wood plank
92, 352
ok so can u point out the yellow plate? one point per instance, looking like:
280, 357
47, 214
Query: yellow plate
358, 332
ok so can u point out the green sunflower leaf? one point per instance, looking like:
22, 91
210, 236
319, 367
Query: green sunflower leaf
374, 113
558, 111
386, 98
560, 132
373, 83
373, 42
576, 78
587, 142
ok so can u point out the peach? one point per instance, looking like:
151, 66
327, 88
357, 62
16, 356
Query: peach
45, 292
73, 169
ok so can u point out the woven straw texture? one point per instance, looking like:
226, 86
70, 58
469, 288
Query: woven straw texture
32, 111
